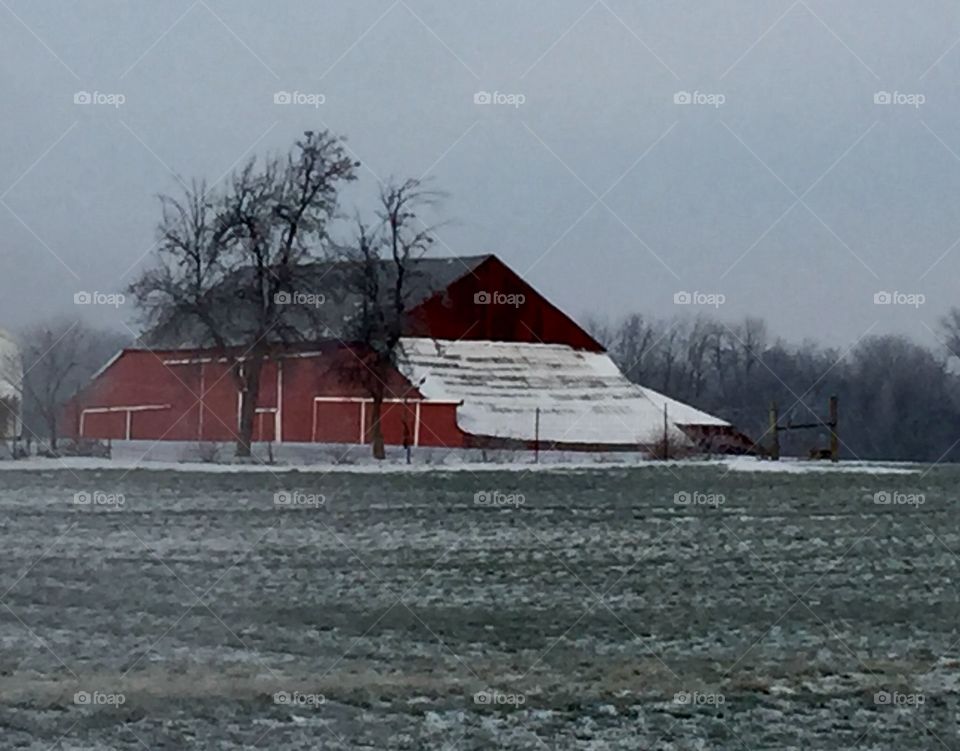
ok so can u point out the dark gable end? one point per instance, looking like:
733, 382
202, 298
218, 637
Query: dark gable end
495, 303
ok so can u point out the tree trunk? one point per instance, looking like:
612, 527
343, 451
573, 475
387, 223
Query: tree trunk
376, 429
249, 390
52, 433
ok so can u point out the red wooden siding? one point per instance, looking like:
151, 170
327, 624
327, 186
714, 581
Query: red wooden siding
456, 313
337, 422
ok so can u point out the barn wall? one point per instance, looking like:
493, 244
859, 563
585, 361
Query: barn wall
337, 422
398, 422
108, 425
335, 373
438, 426
139, 379
458, 313
175, 381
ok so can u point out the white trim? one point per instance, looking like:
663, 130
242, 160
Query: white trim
242, 358
292, 355
203, 389
278, 423
129, 410
363, 420
416, 425
106, 365
385, 401
134, 408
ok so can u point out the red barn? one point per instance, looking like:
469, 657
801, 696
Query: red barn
487, 362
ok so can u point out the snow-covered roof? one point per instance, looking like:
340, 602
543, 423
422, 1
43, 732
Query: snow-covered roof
583, 397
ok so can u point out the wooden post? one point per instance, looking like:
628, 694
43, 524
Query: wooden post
834, 436
666, 436
536, 440
774, 433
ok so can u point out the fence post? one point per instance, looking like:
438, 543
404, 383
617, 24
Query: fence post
834, 436
774, 433
536, 440
666, 436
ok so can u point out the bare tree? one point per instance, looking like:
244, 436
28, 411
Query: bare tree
634, 345
380, 263
55, 360
230, 262
950, 331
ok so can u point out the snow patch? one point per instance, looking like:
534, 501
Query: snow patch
798, 466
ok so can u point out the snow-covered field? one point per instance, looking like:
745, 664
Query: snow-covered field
655, 607
171, 456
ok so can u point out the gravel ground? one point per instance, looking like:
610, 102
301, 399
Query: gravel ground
567, 610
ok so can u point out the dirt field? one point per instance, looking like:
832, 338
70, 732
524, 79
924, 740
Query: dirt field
652, 608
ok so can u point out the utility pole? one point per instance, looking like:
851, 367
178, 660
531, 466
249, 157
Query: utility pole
666, 437
774, 433
834, 420
536, 440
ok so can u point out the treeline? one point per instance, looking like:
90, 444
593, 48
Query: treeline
898, 399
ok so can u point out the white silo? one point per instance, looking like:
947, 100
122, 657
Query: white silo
11, 378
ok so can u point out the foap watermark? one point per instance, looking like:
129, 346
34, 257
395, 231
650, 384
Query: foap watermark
297, 499
499, 298
112, 299
495, 697
314, 300
98, 699
712, 299
897, 498
698, 699
899, 99
500, 98
301, 98
99, 98
99, 498
298, 699
701, 98
896, 699
498, 499
696, 498
910, 299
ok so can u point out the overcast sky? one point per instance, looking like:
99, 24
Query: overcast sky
782, 185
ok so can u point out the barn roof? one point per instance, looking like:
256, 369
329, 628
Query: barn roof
582, 396
428, 277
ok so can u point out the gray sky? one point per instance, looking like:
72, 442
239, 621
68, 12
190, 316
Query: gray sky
782, 186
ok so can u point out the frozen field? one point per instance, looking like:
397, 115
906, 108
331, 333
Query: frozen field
588, 609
